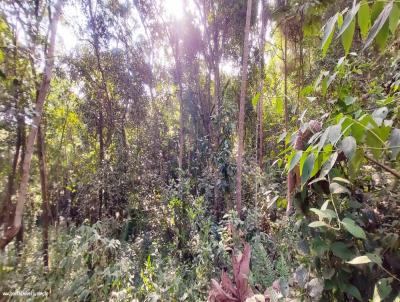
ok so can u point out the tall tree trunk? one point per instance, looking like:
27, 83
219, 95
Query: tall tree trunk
12, 231
181, 127
101, 159
217, 102
285, 79
260, 132
45, 200
239, 158
103, 194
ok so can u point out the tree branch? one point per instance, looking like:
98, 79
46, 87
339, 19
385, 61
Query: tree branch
383, 166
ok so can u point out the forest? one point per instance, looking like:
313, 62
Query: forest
200, 150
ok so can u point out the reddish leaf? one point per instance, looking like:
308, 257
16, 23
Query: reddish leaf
227, 284
218, 294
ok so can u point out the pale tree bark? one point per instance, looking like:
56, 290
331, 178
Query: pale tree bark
12, 230
45, 199
239, 158
181, 109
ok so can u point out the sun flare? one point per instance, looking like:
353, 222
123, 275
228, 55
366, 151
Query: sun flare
174, 8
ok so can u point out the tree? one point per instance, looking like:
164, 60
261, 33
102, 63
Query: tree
260, 104
243, 83
12, 230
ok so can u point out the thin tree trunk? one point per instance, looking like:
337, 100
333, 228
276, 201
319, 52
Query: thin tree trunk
101, 159
45, 201
239, 158
285, 89
103, 194
217, 84
181, 127
12, 231
260, 138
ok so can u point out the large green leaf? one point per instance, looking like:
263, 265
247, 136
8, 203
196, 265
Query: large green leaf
317, 224
375, 140
328, 34
347, 37
364, 19
326, 213
328, 165
339, 249
353, 291
382, 289
348, 146
323, 139
307, 168
295, 159
394, 18
379, 23
355, 162
334, 134
349, 19
351, 226
382, 36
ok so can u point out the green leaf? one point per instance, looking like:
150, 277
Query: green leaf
353, 291
376, 9
282, 137
382, 289
355, 162
339, 249
328, 165
382, 36
348, 146
319, 246
394, 143
336, 188
347, 37
349, 19
364, 19
328, 34
326, 213
307, 168
375, 144
295, 159
334, 134
317, 224
323, 139
351, 226
343, 180
378, 24
394, 18
375, 258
